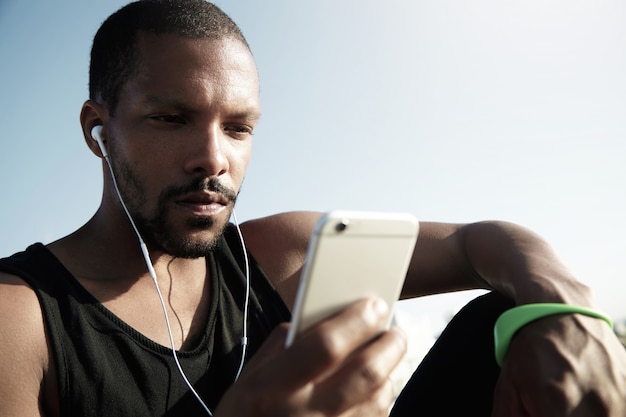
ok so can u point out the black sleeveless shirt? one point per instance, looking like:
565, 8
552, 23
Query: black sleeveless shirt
106, 368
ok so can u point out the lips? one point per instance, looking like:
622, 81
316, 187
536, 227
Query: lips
203, 203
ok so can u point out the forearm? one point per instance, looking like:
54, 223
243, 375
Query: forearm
553, 365
520, 264
492, 255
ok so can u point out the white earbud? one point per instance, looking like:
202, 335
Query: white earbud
96, 134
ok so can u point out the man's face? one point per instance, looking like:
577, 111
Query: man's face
181, 138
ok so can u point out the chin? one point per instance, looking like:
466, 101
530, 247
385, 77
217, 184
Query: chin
195, 245
195, 237
192, 250
199, 243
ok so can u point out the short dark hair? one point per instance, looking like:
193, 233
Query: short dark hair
114, 55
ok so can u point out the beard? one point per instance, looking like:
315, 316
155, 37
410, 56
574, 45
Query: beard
155, 228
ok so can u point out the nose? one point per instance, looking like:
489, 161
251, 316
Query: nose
207, 155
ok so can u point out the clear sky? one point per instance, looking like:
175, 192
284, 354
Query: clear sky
454, 110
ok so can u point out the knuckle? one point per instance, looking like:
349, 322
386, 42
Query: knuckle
372, 375
330, 347
401, 343
380, 403
386, 397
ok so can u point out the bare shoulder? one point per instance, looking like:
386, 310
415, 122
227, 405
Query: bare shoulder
19, 310
23, 351
279, 243
294, 226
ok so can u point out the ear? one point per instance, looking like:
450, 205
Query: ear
93, 114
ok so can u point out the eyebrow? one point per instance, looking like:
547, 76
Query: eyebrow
252, 115
160, 101
249, 113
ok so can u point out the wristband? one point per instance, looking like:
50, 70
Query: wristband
514, 319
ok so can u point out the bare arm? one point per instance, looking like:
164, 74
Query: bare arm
554, 365
492, 255
23, 351
448, 257
562, 365
279, 244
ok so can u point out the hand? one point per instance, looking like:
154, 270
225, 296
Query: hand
566, 365
341, 367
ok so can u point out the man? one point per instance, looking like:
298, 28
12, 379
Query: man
174, 100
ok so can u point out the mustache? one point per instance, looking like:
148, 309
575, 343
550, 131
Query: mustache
211, 184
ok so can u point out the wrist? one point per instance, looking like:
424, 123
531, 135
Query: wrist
558, 288
515, 318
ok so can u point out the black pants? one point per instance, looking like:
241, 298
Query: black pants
458, 375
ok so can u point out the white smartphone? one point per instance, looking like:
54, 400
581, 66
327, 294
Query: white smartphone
352, 255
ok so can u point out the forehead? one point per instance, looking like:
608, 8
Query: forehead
175, 65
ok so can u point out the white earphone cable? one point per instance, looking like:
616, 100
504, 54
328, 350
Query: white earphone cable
152, 272
244, 339
169, 330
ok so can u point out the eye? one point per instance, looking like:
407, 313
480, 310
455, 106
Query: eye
239, 131
169, 118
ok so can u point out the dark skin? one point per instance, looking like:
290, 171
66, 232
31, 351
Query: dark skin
189, 113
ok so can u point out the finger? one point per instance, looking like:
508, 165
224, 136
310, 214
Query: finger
330, 342
290, 374
378, 404
363, 374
